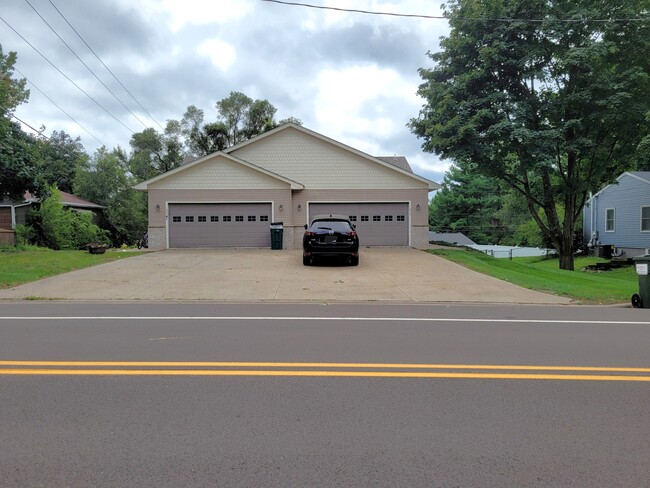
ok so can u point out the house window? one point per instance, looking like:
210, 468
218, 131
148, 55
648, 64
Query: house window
252, 218
202, 218
353, 218
400, 218
189, 218
364, 218
264, 218
176, 218
610, 220
239, 218
645, 219
227, 218
376, 218
388, 218
214, 218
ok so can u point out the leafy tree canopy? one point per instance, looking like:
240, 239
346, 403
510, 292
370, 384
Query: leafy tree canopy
554, 107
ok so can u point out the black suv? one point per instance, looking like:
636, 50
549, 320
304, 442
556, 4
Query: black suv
330, 236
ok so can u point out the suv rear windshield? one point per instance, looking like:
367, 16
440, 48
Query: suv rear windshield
335, 225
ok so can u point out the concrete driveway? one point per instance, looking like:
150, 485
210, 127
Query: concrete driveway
384, 274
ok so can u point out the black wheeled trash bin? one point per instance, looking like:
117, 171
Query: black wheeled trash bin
642, 265
277, 230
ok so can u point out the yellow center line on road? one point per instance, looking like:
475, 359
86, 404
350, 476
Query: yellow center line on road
358, 370
248, 364
346, 374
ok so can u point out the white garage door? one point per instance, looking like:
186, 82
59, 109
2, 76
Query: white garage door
378, 224
219, 225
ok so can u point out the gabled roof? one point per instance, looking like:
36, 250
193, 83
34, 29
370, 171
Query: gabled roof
399, 161
67, 199
643, 176
432, 184
145, 184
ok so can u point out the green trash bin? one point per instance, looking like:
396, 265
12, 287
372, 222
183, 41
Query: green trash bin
642, 265
277, 230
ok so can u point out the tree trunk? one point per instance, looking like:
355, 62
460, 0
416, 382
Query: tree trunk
566, 259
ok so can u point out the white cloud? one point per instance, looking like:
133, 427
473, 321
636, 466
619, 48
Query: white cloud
178, 14
222, 54
358, 100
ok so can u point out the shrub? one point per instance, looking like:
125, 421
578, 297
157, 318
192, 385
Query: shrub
64, 229
25, 235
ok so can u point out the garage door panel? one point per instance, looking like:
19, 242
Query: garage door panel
378, 224
214, 225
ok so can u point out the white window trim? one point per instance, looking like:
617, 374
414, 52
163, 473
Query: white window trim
613, 220
641, 218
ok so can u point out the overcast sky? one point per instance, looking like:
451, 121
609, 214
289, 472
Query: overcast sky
349, 76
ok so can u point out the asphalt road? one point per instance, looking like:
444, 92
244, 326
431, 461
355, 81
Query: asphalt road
168, 395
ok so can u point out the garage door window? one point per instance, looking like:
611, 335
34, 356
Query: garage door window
176, 218
252, 218
353, 218
364, 218
400, 218
239, 218
264, 218
214, 218
388, 218
376, 218
227, 218
189, 218
202, 218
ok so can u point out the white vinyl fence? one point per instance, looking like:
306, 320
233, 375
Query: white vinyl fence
512, 251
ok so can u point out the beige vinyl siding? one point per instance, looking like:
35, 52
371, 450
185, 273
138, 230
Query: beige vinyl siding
218, 172
318, 164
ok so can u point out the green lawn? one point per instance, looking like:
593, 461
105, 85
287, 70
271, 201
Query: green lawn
535, 273
18, 267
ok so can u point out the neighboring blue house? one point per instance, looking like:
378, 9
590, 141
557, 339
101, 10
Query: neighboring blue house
619, 215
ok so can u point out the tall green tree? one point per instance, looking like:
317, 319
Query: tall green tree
18, 151
61, 157
153, 153
554, 101
109, 183
468, 202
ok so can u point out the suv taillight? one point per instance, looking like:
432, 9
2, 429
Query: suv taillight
309, 234
353, 233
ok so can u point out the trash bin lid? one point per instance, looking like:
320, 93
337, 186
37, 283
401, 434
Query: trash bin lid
276, 225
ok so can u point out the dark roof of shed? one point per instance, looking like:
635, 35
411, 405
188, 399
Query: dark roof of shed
68, 199
399, 161
457, 238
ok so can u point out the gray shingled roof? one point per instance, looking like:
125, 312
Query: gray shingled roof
457, 238
642, 174
399, 161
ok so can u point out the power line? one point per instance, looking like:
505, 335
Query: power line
66, 76
442, 17
57, 106
107, 68
85, 65
25, 123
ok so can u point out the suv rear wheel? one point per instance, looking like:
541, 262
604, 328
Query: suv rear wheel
306, 260
354, 260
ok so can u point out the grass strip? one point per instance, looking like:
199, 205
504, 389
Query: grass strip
541, 274
18, 267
